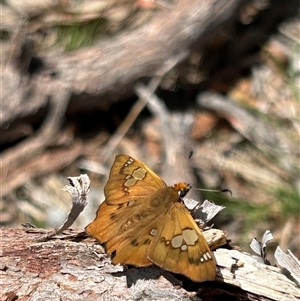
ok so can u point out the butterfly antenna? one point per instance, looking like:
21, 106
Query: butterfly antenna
213, 190
201, 189
187, 161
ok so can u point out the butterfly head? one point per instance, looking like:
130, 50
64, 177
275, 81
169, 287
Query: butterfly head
182, 188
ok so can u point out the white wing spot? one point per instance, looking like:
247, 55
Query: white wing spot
153, 232
190, 236
130, 182
177, 241
129, 162
137, 175
131, 203
184, 247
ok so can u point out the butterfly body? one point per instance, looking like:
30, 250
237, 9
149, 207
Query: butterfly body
142, 221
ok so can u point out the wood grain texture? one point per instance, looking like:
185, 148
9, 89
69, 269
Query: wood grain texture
74, 267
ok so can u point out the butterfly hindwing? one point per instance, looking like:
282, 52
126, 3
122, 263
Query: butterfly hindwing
130, 246
125, 229
112, 228
179, 246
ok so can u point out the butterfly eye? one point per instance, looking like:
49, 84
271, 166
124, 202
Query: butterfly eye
182, 193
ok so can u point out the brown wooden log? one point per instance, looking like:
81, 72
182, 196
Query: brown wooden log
74, 267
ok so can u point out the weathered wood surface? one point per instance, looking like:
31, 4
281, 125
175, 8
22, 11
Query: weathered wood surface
74, 267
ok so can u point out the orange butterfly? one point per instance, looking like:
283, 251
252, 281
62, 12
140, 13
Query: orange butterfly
142, 221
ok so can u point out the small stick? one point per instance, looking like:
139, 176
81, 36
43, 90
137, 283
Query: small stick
139, 106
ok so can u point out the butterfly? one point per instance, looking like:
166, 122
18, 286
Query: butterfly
144, 222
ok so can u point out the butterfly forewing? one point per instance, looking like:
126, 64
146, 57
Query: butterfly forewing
130, 179
179, 246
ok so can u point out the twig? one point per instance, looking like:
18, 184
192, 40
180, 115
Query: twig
174, 129
46, 162
139, 106
46, 136
252, 128
246, 124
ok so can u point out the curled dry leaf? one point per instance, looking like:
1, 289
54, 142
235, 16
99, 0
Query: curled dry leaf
288, 261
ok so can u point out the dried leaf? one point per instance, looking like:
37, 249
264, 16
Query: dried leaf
202, 213
79, 189
288, 261
260, 247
